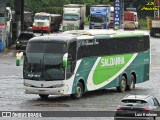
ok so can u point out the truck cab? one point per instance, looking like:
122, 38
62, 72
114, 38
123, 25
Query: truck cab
155, 27
42, 22
99, 17
129, 20
73, 17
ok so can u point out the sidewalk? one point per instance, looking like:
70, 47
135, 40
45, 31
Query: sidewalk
11, 50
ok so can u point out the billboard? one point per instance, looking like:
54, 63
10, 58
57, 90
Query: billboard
2, 14
117, 14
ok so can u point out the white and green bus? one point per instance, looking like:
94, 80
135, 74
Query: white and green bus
75, 62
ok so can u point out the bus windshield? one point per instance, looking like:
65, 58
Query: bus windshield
44, 61
98, 19
73, 17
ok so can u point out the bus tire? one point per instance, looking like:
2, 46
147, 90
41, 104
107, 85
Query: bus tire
43, 96
79, 91
122, 84
131, 83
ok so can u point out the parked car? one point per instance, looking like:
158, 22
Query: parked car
137, 107
22, 40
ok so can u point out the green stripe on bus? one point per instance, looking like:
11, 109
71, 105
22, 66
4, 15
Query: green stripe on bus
109, 66
128, 35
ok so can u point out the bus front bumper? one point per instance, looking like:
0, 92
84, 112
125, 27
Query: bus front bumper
44, 28
45, 91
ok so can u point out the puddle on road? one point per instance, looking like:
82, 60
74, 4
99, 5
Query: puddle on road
52, 105
6, 77
11, 53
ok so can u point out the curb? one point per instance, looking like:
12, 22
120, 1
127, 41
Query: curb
6, 49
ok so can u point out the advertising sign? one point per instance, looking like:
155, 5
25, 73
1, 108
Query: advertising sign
117, 14
157, 3
2, 14
156, 14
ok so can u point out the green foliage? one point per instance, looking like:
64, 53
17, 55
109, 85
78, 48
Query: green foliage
143, 24
86, 21
51, 6
56, 6
53, 10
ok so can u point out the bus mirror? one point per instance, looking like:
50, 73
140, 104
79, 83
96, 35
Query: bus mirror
65, 57
69, 57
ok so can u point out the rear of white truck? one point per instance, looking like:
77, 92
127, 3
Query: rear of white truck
155, 27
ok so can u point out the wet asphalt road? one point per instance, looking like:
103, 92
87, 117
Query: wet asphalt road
13, 98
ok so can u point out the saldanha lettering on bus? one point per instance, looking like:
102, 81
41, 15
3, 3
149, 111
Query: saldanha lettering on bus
112, 61
107, 68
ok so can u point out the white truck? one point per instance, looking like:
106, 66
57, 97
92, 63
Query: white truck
155, 22
155, 27
134, 11
46, 22
73, 17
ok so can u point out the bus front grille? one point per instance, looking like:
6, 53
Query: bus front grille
70, 26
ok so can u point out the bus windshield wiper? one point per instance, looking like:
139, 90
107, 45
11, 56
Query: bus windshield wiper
38, 76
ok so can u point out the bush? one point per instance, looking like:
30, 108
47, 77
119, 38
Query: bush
143, 24
54, 10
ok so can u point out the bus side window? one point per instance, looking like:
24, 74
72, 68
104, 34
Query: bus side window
113, 45
146, 43
133, 45
71, 58
82, 50
124, 45
141, 44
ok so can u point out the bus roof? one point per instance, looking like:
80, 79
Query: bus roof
88, 34
107, 33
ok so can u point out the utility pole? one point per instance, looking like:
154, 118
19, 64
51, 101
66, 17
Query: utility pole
19, 12
18, 23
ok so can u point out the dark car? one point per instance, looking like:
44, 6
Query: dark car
137, 107
22, 40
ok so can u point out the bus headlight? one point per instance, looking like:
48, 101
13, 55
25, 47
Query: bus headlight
58, 85
28, 85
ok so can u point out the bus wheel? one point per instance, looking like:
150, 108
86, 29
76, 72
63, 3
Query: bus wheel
43, 96
78, 92
122, 84
132, 83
